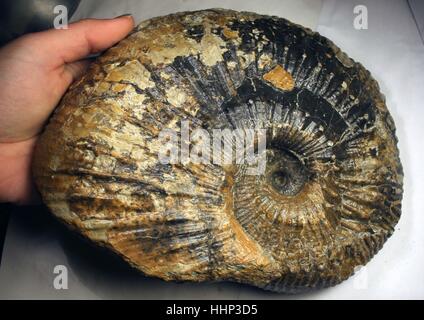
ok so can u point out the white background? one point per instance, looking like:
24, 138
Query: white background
391, 49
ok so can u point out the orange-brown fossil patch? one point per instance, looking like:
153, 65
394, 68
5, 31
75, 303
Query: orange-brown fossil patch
230, 34
280, 78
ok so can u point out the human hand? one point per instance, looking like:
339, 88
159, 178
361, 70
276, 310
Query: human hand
35, 71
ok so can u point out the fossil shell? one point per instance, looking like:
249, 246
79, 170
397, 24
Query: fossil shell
331, 192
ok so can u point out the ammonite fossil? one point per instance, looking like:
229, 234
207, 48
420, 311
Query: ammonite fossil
330, 194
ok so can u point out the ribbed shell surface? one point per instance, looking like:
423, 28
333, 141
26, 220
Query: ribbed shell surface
329, 136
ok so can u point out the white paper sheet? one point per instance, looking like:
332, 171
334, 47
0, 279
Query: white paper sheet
391, 49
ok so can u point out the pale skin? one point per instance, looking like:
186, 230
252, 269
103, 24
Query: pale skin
35, 71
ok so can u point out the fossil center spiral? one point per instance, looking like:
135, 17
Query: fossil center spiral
285, 172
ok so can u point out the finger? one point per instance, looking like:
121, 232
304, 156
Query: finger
57, 47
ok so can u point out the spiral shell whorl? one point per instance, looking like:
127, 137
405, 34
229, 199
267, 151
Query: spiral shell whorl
328, 200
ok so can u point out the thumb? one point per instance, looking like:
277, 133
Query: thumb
57, 47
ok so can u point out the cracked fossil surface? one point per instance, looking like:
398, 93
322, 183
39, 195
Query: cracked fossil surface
327, 201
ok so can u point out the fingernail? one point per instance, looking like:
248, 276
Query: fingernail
124, 15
